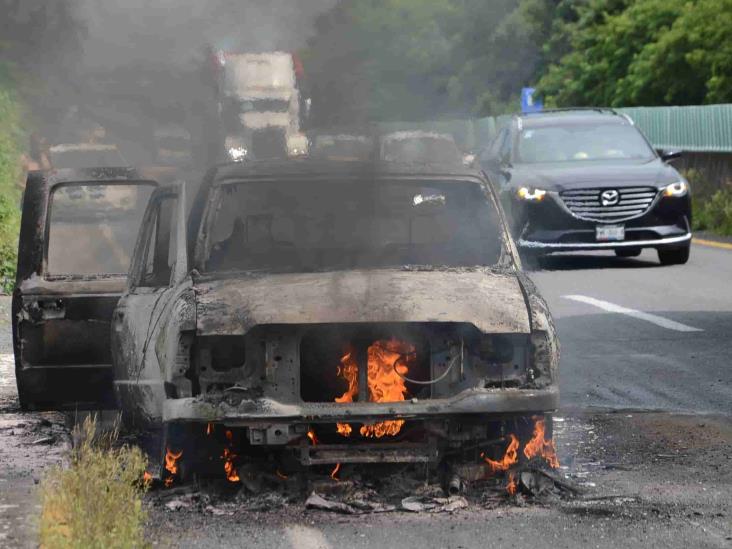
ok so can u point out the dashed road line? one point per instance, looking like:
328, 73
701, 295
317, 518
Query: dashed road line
713, 243
648, 317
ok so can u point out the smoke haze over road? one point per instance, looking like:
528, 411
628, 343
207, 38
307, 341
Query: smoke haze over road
174, 31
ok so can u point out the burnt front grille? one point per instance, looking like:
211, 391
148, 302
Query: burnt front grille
609, 204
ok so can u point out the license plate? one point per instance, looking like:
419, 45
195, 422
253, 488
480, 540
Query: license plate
610, 233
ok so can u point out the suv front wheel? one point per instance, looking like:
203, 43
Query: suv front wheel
674, 256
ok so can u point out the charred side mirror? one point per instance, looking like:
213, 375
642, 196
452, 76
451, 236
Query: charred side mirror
670, 156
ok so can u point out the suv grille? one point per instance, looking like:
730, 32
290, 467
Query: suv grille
587, 203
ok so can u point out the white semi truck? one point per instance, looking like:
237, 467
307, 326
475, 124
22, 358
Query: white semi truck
260, 105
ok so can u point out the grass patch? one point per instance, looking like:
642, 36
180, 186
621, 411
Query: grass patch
712, 205
96, 502
11, 138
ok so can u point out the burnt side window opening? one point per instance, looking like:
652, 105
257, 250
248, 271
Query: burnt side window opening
92, 228
300, 226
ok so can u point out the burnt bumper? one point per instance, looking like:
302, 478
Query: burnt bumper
255, 412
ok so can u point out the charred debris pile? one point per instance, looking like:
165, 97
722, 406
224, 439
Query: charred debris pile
510, 469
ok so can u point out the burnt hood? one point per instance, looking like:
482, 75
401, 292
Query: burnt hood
492, 302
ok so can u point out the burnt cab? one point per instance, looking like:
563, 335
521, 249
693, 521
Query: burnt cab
78, 233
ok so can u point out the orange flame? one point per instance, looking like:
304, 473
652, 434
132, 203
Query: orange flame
312, 437
348, 370
209, 429
280, 475
147, 479
171, 461
232, 474
334, 472
509, 458
511, 485
388, 361
540, 447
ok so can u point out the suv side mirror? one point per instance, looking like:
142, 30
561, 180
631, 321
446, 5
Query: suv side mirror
669, 156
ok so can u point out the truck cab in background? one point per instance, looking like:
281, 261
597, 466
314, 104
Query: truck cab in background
260, 105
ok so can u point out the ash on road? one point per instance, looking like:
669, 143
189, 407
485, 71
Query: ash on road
645, 426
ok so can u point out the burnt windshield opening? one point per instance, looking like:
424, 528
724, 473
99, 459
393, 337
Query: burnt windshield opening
305, 226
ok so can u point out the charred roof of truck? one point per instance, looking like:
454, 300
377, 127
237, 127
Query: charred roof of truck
308, 168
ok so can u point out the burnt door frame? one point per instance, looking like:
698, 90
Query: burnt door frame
144, 312
61, 304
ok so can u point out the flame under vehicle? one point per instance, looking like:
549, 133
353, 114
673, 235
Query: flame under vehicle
343, 312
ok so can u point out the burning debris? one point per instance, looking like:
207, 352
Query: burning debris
171, 465
540, 447
539, 452
524, 469
229, 456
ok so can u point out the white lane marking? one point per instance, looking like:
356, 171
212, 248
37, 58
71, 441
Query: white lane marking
648, 317
306, 537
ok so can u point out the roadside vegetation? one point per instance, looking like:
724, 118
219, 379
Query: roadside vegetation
95, 502
423, 59
11, 137
712, 204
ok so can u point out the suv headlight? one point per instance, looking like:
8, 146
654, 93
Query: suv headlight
676, 189
530, 194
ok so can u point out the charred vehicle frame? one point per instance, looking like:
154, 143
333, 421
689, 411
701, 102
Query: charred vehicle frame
275, 354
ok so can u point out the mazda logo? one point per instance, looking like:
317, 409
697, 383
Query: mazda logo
609, 198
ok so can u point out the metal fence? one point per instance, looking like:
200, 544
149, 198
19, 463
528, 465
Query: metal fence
698, 129
702, 129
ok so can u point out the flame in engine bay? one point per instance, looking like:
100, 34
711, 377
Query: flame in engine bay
231, 473
313, 438
348, 370
539, 446
388, 362
171, 464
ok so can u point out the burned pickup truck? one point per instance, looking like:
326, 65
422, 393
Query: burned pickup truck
377, 310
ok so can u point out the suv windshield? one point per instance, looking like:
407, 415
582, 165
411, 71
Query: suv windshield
577, 143
300, 226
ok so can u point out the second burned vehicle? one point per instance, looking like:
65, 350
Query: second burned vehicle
377, 310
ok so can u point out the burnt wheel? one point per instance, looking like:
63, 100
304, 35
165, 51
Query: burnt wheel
674, 256
628, 252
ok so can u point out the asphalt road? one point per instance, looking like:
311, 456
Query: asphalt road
679, 359
646, 421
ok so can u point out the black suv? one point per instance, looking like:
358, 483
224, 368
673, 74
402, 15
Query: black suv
588, 180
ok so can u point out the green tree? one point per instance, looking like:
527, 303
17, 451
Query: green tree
416, 59
644, 52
